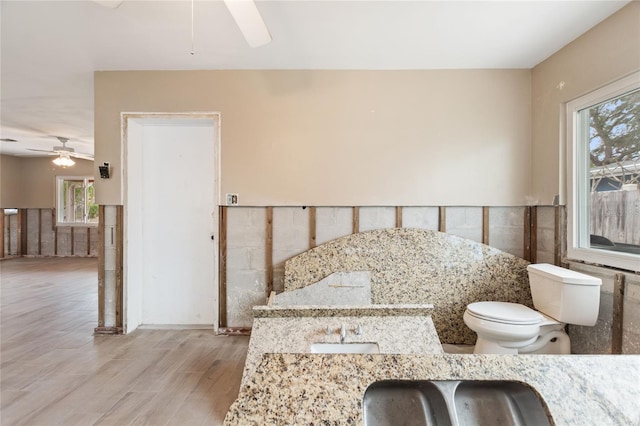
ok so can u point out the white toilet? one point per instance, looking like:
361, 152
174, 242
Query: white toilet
561, 296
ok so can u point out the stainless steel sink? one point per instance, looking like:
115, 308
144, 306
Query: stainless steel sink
453, 402
405, 403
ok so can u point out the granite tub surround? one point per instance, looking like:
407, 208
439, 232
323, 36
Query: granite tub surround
306, 389
393, 334
340, 288
420, 266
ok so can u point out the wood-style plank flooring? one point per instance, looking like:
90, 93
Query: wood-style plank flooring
54, 371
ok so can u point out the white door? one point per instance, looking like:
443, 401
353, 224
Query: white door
170, 209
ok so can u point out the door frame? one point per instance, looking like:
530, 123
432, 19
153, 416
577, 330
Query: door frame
124, 122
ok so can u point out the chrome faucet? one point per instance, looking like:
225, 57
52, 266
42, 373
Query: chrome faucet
343, 333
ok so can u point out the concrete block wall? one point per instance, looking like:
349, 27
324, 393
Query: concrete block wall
11, 235
290, 237
377, 218
44, 238
599, 338
465, 222
421, 217
246, 263
332, 223
546, 219
505, 229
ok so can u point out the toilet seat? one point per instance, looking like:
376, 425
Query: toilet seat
505, 313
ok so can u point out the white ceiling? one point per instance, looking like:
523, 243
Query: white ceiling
51, 48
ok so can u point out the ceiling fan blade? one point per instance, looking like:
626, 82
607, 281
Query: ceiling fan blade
81, 156
248, 19
113, 4
43, 150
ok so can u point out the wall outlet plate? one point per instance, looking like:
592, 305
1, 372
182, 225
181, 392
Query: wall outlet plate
232, 199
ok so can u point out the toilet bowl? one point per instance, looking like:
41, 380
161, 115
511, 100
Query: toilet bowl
560, 296
511, 328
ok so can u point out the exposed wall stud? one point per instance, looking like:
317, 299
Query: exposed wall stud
119, 265
222, 268
22, 232
55, 240
269, 251
73, 242
485, 225
534, 234
356, 220
442, 219
88, 241
101, 265
312, 227
398, 217
618, 311
39, 232
558, 235
2, 233
527, 233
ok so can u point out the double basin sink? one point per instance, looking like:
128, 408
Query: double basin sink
453, 403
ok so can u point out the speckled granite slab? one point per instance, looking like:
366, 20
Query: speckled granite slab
344, 310
420, 266
393, 334
312, 389
340, 288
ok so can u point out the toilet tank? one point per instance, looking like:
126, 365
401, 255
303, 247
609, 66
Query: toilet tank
565, 295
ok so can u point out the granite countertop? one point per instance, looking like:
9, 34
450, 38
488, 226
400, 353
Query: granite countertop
305, 389
275, 311
405, 329
282, 384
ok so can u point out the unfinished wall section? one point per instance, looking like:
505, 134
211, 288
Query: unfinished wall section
332, 223
260, 239
376, 218
618, 327
246, 272
505, 229
33, 232
420, 217
465, 222
546, 234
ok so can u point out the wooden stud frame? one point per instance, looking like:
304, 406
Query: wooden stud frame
442, 219
398, 217
485, 225
356, 220
618, 311
101, 265
1, 233
269, 251
222, 269
312, 227
526, 226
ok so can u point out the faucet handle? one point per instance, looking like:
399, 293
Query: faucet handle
328, 330
358, 330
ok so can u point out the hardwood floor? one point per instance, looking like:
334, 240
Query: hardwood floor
53, 370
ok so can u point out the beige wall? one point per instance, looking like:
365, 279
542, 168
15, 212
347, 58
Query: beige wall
607, 52
29, 182
10, 181
444, 137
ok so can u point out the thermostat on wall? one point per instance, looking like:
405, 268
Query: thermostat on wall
104, 171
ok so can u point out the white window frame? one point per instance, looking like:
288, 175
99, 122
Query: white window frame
578, 245
58, 182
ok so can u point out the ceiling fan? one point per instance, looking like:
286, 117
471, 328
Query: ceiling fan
244, 12
64, 153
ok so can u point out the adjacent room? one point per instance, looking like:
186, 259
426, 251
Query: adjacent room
319, 212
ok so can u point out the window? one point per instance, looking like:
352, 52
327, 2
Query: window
604, 175
75, 201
